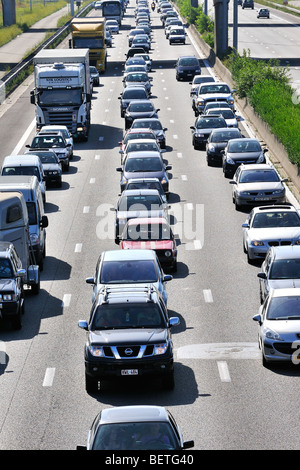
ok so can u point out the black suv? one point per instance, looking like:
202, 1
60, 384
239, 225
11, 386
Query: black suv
128, 335
11, 285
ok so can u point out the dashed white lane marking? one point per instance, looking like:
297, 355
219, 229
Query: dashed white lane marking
219, 351
179, 155
92, 180
97, 157
189, 206
49, 377
184, 177
66, 300
207, 295
78, 247
86, 209
224, 371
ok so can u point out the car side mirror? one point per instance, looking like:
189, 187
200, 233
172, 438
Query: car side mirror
44, 222
257, 318
232, 182
90, 280
262, 275
119, 168
246, 225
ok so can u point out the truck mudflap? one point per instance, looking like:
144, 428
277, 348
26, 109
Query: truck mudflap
33, 278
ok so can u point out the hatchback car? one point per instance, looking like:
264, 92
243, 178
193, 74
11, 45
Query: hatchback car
139, 109
280, 269
177, 35
146, 183
125, 427
256, 185
145, 164
112, 26
279, 326
187, 67
128, 268
135, 203
155, 125
263, 13
134, 32
217, 142
152, 233
268, 226
244, 150
203, 128
140, 145
141, 40
138, 78
130, 94
51, 165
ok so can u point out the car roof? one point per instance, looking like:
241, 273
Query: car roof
275, 208
22, 160
147, 220
225, 129
138, 180
286, 252
257, 166
123, 414
142, 141
140, 192
141, 102
125, 255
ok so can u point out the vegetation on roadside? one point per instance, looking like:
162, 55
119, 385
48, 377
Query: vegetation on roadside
265, 84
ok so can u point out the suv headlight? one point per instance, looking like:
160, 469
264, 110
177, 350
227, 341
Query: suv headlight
257, 243
96, 351
160, 348
34, 238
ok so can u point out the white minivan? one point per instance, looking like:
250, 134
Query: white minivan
29, 165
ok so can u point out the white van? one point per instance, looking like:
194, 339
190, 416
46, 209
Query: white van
28, 165
38, 221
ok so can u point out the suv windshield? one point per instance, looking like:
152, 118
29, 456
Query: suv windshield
126, 272
133, 315
5, 268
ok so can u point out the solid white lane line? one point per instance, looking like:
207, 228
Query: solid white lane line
223, 371
66, 300
49, 377
23, 139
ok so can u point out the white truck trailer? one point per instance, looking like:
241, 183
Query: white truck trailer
62, 90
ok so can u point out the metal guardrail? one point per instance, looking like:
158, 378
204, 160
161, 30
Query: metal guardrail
13, 73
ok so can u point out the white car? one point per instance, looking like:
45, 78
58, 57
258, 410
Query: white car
279, 325
64, 131
112, 26
270, 226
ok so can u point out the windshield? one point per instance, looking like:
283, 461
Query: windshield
128, 272
131, 93
61, 96
135, 436
189, 61
244, 146
151, 231
21, 170
143, 164
109, 316
209, 123
139, 203
113, 9
140, 107
137, 77
89, 43
285, 269
152, 124
48, 158
46, 141
214, 88
259, 176
276, 219
6, 270
224, 136
282, 308
142, 146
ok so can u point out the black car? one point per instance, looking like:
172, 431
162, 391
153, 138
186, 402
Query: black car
187, 67
203, 127
128, 334
217, 142
139, 109
51, 165
132, 93
135, 50
11, 285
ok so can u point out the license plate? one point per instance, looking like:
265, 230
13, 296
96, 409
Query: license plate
262, 198
129, 372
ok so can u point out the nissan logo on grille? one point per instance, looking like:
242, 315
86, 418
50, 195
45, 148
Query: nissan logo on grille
128, 351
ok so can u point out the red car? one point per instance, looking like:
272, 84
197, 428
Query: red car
153, 233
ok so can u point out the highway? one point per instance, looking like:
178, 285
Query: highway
224, 398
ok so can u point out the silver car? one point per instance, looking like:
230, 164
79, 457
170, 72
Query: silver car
138, 79
279, 326
280, 269
256, 185
268, 226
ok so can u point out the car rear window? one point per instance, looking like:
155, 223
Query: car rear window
126, 272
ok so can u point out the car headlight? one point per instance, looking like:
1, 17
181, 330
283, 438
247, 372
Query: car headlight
168, 253
261, 158
230, 101
34, 238
243, 193
164, 180
200, 103
257, 243
160, 348
279, 191
211, 148
123, 180
271, 334
230, 161
8, 297
96, 351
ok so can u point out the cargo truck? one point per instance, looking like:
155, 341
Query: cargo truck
62, 90
90, 32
